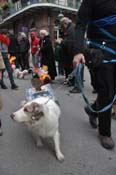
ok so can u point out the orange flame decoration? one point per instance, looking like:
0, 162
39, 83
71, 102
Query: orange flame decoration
42, 73
11, 59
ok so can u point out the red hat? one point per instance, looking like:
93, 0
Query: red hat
33, 33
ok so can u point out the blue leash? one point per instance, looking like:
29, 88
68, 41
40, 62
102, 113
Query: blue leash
99, 24
77, 72
110, 20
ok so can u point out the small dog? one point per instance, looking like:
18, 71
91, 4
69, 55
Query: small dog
20, 74
41, 115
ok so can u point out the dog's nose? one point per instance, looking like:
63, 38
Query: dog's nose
12, 116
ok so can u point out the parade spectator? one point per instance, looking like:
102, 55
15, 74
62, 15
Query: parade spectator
34, 48
67, 27
13, 48
4, 43
47, 53
94, 16
24, 51
58, 57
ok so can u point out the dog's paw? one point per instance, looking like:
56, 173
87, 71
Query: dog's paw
60, 157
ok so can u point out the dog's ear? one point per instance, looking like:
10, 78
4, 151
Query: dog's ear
28, 108
36, 107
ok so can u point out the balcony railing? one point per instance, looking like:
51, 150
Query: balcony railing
22, 4
68, 3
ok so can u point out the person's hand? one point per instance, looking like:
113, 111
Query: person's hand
79, 58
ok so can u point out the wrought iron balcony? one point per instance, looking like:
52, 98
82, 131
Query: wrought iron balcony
23, 5
67, 3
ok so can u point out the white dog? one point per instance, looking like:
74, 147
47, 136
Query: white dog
19, 74
42, 118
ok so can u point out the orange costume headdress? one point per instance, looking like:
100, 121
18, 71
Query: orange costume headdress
43, 74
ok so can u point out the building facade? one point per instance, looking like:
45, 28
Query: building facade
28, 15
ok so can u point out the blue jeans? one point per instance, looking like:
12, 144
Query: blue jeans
82, 76
8, 68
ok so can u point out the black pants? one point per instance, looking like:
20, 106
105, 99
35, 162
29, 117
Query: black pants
24, 60
93, 73
106, 88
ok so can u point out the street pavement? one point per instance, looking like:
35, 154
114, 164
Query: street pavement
79, 142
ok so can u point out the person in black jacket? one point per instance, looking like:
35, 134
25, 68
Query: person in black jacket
13, 48
99, 18
47, 53
24, 51
66, 43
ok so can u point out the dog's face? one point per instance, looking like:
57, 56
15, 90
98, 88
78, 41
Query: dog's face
31, 112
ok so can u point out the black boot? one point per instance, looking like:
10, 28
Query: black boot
3, 86
14, 87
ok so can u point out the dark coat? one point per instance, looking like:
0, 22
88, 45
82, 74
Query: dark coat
24, 45
13, 47
47, 56
67, 45
89, 11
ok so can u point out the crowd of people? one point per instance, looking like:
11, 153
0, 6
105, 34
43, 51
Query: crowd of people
21, 48
16, 53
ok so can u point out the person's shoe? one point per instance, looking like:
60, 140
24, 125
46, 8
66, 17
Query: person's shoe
14, 87
92, 117
3, 86
75, 90
107, 142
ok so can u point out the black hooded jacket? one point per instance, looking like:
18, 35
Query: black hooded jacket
93, 10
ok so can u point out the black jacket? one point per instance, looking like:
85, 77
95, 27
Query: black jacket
24, 45
92, 10
13, 47
67, 44
47, 55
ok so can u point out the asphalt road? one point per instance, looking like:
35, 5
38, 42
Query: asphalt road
79, 142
